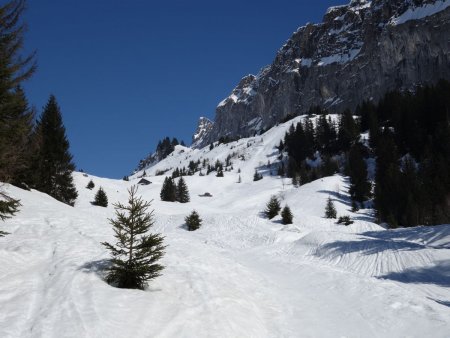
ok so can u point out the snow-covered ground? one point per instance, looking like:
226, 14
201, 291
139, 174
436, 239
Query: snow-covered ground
239, 275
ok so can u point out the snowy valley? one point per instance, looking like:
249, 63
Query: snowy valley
239, 275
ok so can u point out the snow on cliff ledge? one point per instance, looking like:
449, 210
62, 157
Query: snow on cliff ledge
420, 12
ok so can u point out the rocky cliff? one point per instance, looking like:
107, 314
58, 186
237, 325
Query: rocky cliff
359, 51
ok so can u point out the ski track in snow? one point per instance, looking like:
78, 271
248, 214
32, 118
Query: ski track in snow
239, 275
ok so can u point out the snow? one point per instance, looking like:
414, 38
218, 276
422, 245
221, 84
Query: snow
339, 58
239, 275
420, 12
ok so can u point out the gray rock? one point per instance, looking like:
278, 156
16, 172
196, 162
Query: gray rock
359, 52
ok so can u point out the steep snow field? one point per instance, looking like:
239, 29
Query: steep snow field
240, 275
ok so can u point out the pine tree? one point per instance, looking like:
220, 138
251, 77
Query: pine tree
168, 190
16, 118
182, 191
286, 215
8, 208
136, 252
90, 185
257, 176
55, 166
330, 210
272, 208
193, 221
360, 187
219, 171
100, 198
239, 179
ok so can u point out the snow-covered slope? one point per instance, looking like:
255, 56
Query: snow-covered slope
239, 275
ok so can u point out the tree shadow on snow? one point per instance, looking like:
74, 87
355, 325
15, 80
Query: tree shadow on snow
338, 197
439, 274
99, 267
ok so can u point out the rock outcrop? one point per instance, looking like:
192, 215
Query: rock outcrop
359, 52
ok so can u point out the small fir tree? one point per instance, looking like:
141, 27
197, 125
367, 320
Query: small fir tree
168, 190
257, 176
219, 172
330, 210
193, 221
136, 251
239, 179
8, 208
100, 198
182, 191
90, 185
272, 208
286, 215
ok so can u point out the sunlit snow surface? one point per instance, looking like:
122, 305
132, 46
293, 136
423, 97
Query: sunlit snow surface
240, 275
421, 12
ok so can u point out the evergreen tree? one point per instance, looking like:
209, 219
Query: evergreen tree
90, 185
219, 170
330, 210
193, 221
360, 187
168, 190
257, 176
136, 251
55, 166
16, 118
100, 198
286, 215
8, 208
239, 179
348, 132
182, 191
272, 208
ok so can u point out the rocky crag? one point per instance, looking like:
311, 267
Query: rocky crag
359, 52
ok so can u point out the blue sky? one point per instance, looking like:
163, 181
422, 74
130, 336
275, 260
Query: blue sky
128, 73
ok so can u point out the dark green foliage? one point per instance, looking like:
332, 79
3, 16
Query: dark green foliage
16, 118
100, 198
126, 178
182, 191
136, 251
257, 176
54, 164
219, 169
272, 208
8, 208
346, 220
193, 221
168, 190
330, 210
286, 215
90, 185
360, 187
348, 132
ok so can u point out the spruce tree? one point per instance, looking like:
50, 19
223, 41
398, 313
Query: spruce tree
330, 210
16, 118
90, 185
193, 221
286, 215
182, 191
168, 190
360, 187
136, 251
100, 198
8, 208
55, 166
257, 176
272, 208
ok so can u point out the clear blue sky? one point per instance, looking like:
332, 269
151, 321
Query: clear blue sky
128, 73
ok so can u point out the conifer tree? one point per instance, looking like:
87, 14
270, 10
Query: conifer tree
16, 118
136, 251
219, 171
257, 176
286, 215
100, 198
90, 185
182, 191
168, 190
8, 208
54, 161
272, 208
239, 179
357, 169
330, 210
193, 221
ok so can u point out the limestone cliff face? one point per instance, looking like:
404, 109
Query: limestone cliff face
360, 51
